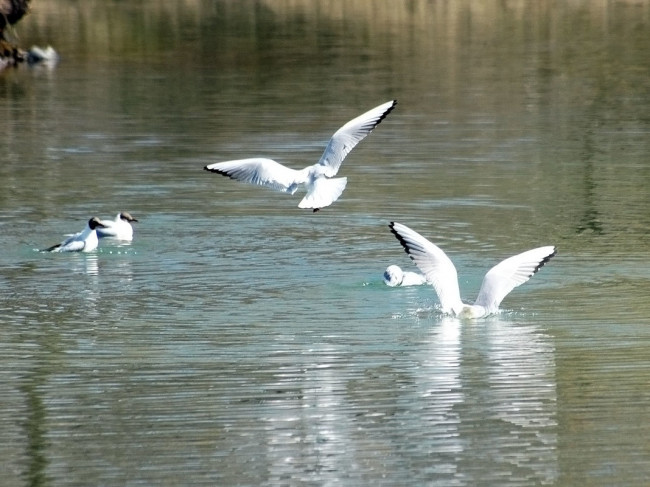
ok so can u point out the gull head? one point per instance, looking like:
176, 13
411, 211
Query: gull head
95, 222
393, 275
127, 217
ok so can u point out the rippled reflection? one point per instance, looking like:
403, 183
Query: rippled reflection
492, 386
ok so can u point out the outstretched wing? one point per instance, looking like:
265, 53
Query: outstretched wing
259, 171
434, 264
509, 274
348, 136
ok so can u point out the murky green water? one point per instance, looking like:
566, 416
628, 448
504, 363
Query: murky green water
241, 341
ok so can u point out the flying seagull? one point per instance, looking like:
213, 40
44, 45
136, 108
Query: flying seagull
84, 241
322, 188
120, 228
441, 273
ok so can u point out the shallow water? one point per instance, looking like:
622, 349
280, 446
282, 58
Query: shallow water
241, 341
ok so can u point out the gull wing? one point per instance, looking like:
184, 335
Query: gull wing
72, 246
260, 171
438, 269
53, 248
509, 274
348, 136
75, 237
62, 247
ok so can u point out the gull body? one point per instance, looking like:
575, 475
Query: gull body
441, 273
318, 179
47, 56
395, 276
120, 228
84, 241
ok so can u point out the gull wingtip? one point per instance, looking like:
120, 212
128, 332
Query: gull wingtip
400, 238
552, 253
211, 168
390, 108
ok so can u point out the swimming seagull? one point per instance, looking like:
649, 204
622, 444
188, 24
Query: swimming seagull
84, 241
120, 228
395, 276
47, 56
321, 190
441, 273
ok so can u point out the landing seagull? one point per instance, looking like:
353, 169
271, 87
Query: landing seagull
395, 276
120, 228
84, 241
441, 273
321, 190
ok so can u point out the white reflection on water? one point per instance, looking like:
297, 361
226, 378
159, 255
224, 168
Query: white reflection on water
471, 401
440, 381
492, 388
309, 423
90, 265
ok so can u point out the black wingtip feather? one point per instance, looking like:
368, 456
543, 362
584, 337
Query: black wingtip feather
385, 114
218, 171
401, 240
545, 260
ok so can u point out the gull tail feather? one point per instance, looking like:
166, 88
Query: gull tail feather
323, 193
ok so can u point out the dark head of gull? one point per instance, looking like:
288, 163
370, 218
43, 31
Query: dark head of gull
95, 222
127, 217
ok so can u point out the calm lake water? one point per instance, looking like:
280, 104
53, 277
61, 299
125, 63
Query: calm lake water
239, 340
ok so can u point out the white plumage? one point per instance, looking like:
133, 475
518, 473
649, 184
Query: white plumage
84, 241
321, 190
441, 273
395, 276
120, 228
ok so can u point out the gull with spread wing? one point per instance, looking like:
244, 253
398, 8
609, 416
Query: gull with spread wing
322, 188
441, 273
